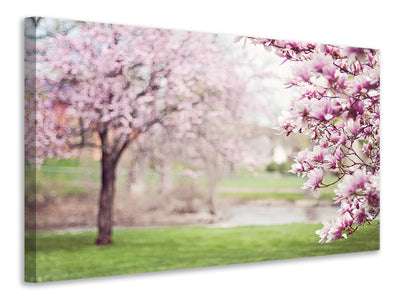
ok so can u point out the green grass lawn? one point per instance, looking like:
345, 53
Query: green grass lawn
256, 181
63, 177
261, 179
74, 255
82, 177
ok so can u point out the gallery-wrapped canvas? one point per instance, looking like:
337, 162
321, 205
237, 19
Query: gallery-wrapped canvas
149, 149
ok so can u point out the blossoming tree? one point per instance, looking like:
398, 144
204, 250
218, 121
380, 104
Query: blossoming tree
337, 106
212, 140
216, 142
115, 83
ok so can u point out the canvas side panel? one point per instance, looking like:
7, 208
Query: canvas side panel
30, 38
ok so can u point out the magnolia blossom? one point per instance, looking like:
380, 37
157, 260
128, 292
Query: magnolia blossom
352, 184
315, 177
338, 108
335, 230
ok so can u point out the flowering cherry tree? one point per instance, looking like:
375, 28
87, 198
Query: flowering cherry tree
114, 83
211, 140
337, 106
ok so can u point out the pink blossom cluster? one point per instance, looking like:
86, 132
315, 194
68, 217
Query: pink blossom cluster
337, 106
40, 116
358, 195
119, 81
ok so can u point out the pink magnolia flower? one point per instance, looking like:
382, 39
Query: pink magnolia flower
302, 162
352, 184
341, 83
338, 137
315, 177
303, 72
360, 215
296, 168
288, 124
319, 62
330, 73
317, 155
367, 148
363, 84
352, 127
325, 109
336, 229
332, 159
324, 232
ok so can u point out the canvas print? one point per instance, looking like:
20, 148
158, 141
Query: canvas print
151, 149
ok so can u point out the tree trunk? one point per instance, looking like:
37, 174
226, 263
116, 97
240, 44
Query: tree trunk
105, 216
211, 196
165, 177
211, 206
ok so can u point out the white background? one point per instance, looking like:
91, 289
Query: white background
358, 23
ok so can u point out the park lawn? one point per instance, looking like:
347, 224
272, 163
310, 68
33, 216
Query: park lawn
262, 179
74, 255
63, 177
75, 177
